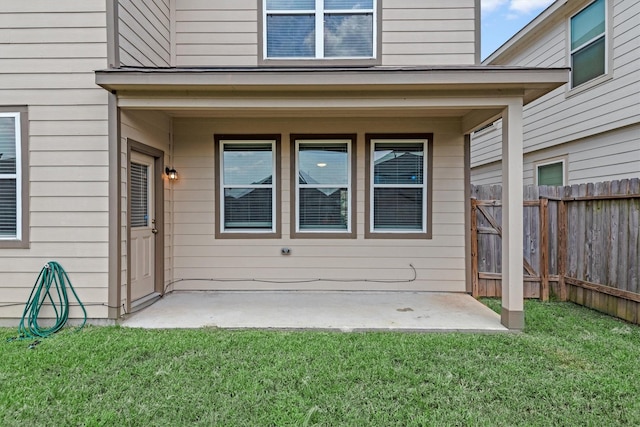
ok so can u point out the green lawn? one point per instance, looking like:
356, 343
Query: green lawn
572, 366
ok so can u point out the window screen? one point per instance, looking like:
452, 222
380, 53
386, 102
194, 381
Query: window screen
248, 186
551, 174
9, 173
323, 186
398, 186
319, 29
588, 43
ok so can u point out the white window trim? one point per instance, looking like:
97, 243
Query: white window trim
319, 13
273, 187
547, 162
423, 186
17, 176
348, 185
608, 66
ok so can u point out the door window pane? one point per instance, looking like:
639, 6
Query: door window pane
139, 195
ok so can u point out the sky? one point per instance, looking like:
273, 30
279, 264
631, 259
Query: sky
501, 19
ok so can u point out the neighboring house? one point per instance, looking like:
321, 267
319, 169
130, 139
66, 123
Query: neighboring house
319, 145
589, 129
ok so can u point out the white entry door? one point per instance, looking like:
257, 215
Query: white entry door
143, 226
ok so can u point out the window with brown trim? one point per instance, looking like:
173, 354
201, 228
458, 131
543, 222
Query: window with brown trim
247, 190
14, 198
323, 171
399, 186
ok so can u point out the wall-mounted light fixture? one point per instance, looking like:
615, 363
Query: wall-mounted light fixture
171, 173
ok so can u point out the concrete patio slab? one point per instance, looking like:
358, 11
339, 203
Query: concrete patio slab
343, 311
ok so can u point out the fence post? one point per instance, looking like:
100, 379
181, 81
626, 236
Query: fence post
544, 250
562, 248
474, 249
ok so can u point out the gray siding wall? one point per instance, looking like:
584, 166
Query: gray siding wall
604, 157
571, 115
144, 33
414, 32
48, 51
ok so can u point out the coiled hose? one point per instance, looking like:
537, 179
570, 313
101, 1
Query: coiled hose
51, 276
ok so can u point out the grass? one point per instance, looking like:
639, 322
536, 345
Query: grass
572, 366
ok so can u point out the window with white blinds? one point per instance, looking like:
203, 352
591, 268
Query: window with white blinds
139, 195
320, 29
247, 186
398, 179
10, 176
324, 186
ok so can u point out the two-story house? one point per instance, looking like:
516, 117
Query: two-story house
587, 130
318, 145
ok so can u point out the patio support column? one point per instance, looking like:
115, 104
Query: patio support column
512, 211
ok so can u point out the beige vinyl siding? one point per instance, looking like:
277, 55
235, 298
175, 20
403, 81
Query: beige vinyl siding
48, 51
220, 33
440, 262
414, 32
144, 33
152, 129
428, 32
571, 115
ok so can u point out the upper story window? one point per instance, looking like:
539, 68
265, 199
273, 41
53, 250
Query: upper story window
588, 43
13, 200
319, 29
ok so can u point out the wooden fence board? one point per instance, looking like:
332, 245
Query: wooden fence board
574, 235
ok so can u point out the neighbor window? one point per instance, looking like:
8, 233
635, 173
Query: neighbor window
13, 212
588, 43
398, 172
247, 186
319, 29
550, 173
323, 185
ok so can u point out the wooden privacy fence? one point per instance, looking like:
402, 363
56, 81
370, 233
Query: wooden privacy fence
581, 243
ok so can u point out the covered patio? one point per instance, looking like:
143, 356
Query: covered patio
320, 310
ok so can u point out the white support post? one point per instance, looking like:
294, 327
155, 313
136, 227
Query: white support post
512, 214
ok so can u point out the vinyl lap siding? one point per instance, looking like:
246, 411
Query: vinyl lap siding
563, 115
144, 33
48, 51
605, 157
219, 33
415, 32
428, 32
440, 262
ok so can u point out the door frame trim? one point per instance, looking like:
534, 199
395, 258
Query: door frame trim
158, 164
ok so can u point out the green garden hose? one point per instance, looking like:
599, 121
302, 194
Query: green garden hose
51, 276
